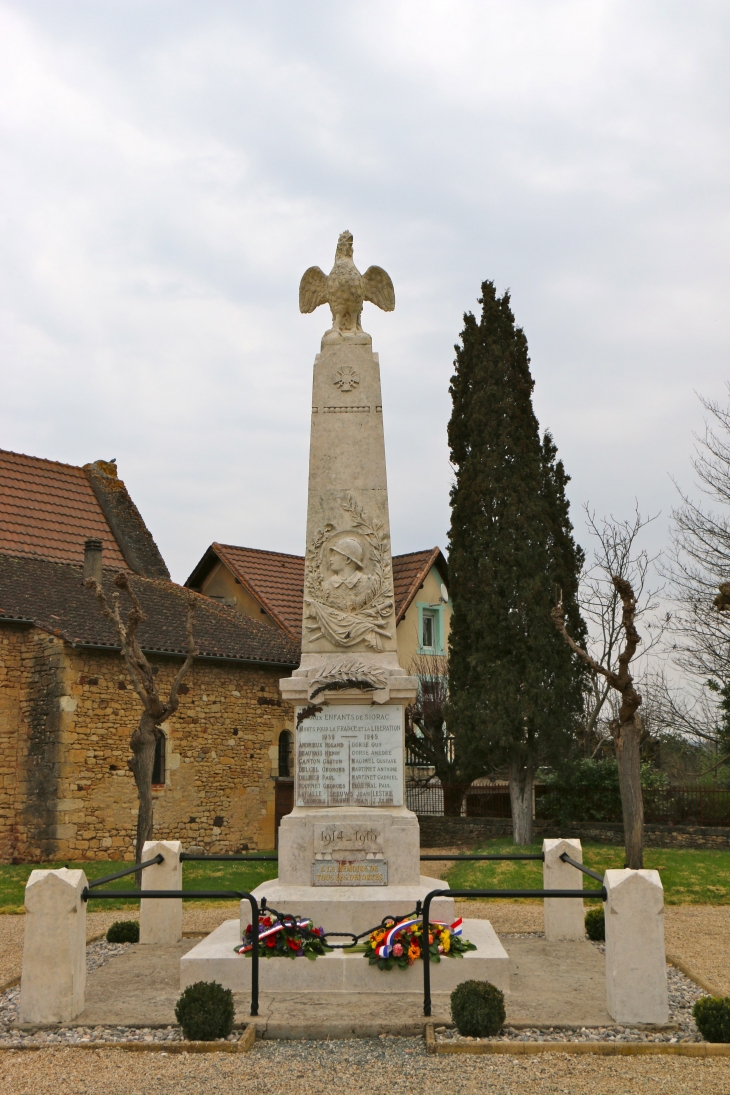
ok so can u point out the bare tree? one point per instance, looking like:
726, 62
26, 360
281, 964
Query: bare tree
700, 559
427, 737
155, 711
689, 714
616, 554
626, 729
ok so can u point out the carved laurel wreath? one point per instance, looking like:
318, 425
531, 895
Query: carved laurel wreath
379, 602
347, 673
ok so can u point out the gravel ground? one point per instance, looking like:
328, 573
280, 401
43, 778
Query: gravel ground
195, 919
682, 996
698, 935
96, 955
386, 1066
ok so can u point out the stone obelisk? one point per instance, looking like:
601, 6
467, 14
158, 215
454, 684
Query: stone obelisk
349, 851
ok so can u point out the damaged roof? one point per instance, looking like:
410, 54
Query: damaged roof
48, 510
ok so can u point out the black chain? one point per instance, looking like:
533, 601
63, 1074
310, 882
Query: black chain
290, 921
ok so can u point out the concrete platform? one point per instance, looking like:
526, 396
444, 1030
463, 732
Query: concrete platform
214, 959
551, 984
351, 908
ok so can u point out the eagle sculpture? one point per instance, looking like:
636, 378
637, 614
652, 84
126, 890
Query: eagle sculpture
345, 289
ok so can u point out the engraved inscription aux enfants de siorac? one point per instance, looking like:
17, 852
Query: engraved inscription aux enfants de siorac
349, 755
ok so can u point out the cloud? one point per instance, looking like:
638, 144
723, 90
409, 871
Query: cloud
169, 170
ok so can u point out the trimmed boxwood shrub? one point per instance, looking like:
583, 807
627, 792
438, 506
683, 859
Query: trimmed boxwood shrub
123, 931
477, 1008
596, 925
205, 1011
712, 1016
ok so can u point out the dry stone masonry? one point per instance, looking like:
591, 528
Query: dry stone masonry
66, 716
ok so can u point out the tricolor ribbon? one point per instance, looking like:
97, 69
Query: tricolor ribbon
386, 947
277, 927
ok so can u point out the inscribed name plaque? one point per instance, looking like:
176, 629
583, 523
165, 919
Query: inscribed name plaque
350, 755
360, 872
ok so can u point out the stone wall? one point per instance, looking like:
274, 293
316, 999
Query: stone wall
444, 832
66, 716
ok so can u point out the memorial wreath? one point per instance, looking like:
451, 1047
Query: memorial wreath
285, 937
399, 943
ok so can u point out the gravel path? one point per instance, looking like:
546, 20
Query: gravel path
386, 1066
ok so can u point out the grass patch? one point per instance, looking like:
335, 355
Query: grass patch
196, 876
689, 876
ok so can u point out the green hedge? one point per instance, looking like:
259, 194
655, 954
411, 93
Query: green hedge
588, 790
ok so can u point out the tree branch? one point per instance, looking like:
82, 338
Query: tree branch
114, 617
172, 700
558, 618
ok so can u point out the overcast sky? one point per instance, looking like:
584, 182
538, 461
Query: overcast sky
169, 168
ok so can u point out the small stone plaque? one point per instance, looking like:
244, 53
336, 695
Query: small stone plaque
345, 872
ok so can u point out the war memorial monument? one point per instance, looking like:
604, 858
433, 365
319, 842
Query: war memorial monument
349, 850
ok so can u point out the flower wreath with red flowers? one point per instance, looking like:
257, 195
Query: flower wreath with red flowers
284, 936
399, 943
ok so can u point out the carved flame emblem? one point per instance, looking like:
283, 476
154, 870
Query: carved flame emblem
346, 378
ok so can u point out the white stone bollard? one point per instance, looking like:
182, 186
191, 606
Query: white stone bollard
564, 917
636, 968
53, 980
160, 921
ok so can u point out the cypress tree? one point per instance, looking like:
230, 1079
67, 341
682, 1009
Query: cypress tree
515, 689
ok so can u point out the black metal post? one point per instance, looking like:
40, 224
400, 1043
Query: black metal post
136, 895
425, 950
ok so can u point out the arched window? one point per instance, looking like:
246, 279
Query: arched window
158, 768
285, 750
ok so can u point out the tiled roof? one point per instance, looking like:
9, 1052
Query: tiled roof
52, 596
409, 571
48, 509
277, 580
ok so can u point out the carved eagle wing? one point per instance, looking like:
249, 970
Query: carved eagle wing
377, 288
312, 289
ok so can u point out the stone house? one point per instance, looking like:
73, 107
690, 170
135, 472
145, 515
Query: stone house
67, 708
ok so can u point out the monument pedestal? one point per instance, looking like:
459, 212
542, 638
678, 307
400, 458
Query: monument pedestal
347, 867
349, 851
352, 909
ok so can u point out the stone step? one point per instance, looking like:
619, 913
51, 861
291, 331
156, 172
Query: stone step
214, 959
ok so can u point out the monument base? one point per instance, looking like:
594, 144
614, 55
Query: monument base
213, 959
350, 908
349, 840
